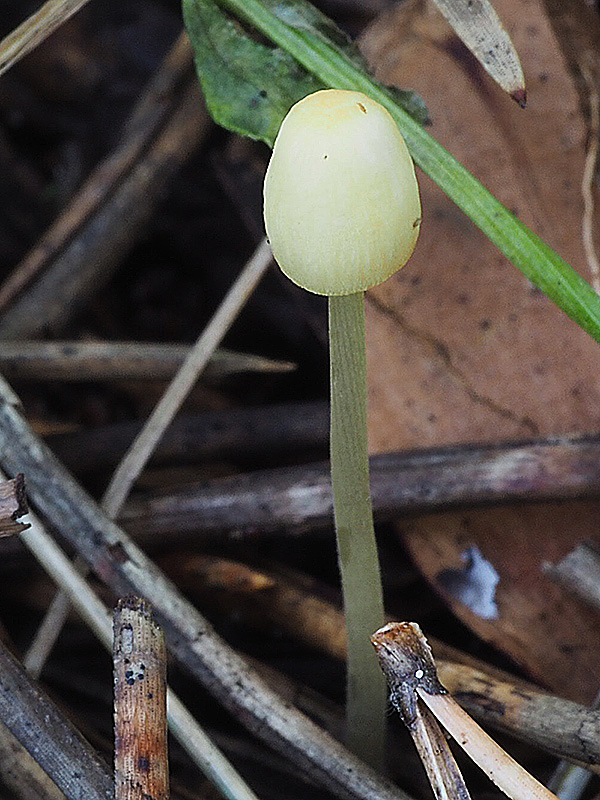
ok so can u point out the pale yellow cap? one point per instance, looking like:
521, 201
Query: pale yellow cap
341, 200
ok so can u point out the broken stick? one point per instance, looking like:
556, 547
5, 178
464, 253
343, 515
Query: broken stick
416, 692
140, 658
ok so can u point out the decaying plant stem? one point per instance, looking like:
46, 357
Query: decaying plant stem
140, 700
407, 661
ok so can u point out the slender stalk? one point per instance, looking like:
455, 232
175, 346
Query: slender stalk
357, 549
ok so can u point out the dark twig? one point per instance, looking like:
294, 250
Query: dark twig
140, 678
125, 568
41, 728
192, 438
298, 498
21, 773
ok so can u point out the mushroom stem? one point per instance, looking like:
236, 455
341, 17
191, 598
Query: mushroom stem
357, 549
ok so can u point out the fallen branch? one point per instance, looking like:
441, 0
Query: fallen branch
298, 498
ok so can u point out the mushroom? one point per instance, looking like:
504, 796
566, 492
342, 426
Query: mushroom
342, 214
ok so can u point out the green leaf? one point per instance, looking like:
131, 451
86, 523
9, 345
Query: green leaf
248, 86
334, 68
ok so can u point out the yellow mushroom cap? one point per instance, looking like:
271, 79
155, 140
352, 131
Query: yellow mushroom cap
341, 200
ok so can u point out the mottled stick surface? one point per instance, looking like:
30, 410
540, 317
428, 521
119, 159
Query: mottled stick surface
139, 662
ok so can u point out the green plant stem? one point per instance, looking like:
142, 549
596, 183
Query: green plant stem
357, 549
538, 262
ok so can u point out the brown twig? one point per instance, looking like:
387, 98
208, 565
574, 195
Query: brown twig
298, 498
85, 245
407, 662
124, 567
140, 699
118, 361
556, 725
56, 745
